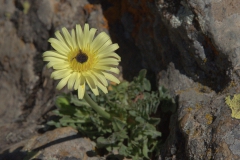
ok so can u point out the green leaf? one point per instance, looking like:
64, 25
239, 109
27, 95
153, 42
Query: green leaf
78, 102
139, 137
83, 115
133, 113
142, 74
117, 124
103, 142
123, 150
62, 101
140, 120
121, 135
146, 85
73, 125
136, 157
52, 123
167, 102
152, 133
154, 121
145, 148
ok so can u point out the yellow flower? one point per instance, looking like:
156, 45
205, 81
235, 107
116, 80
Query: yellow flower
82, 58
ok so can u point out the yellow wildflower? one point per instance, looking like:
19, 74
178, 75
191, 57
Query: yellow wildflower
81, 58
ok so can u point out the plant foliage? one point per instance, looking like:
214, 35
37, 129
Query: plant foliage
131, 131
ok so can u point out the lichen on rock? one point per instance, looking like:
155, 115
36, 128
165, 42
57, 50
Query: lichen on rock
234, 104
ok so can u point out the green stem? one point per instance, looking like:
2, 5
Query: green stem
94, 105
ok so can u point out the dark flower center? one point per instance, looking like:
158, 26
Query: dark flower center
81, 57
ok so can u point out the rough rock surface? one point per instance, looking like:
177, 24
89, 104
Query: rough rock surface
26, 90
61, 143
193, 46
206, 34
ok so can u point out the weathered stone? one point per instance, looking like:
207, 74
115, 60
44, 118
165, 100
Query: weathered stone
26, 90
62, 143
193, 46
205, 42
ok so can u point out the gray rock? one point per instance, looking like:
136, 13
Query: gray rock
192, 46
62, 143
26, 90
207, 54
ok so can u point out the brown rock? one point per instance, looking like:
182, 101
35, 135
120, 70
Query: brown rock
59, 144
192, 45
26, 90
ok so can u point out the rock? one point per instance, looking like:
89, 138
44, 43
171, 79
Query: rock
192, 46
26, 90
62, 143
206, 55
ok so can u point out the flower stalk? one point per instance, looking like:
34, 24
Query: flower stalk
94, 105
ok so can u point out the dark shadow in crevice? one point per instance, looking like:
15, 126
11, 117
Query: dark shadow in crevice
174, 140
131, 59
176, 47
16, 154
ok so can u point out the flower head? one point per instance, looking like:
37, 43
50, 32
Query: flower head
80, 58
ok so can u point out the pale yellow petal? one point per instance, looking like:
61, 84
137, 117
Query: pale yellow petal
74, 39
79, 34
67, 37
105, 45
109, 55
93, 77
92, 85
101, 67
54, 59
82, 79
108, 60
59, 36
61, 39
77, 83
72, 80
103, 88
108, 63
91, 35
111, 77
114, 70
81, 91
95, 91
59, 46
99, 41
63, 82
86, 36
54, 54
61, 65
109, 49
58, 74
101, 77
52, 63
58, 49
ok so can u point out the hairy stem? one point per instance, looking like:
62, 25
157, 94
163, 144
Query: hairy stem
94, 105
